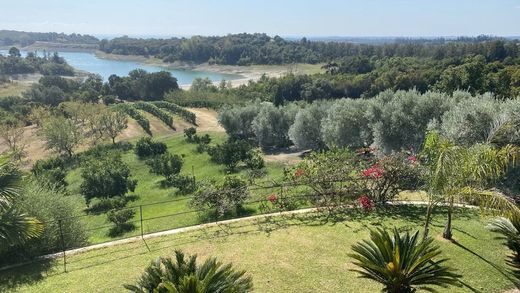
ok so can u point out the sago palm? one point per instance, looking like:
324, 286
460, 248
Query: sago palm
466, 173
402, 263
15, 227
182, 275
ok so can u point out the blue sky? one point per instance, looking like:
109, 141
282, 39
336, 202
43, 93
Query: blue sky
282, 17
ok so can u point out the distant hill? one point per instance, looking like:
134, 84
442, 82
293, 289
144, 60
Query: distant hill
23, 39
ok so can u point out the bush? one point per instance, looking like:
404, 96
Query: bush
120, 220
106, 177
146, 147
176, 109
106, 204
48, 205
254, 160
224, 198
230, 153
167, 165
185, 183
190, 133
154, 110
51, 172
141, 120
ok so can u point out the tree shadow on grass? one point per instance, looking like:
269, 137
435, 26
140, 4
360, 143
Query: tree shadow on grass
499, 269
29, 274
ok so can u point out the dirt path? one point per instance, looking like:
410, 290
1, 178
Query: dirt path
207, 120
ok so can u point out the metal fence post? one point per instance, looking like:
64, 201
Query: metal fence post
141, 218
63, 247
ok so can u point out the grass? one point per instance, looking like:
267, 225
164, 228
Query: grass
14, 88
149, 190
283, 254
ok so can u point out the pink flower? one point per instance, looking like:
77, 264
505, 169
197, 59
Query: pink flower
272, 198
366, 203
375, 171
412, 158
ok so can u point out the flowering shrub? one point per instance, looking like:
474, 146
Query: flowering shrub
366, 203
272, 198
299, 172
412, 159
375, 171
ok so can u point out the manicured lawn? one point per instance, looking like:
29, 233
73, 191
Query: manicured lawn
299, 254
149, 190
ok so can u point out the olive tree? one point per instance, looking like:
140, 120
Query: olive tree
62, 134
345, 124
271, 125
305, 132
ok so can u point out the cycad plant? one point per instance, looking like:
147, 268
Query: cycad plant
509, 231
402, 263
467, 174
15, 226
182, 274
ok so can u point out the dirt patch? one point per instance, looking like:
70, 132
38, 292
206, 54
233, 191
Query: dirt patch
207, 120
288, 158
34, 145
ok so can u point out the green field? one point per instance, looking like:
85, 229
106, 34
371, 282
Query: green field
290, 254
149, 190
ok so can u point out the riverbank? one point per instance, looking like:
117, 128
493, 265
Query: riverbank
251, 72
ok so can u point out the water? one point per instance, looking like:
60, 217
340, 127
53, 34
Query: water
105, 67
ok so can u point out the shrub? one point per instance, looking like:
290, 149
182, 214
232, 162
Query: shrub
509, 231
120, 219
167, 165
223, 198
48, 205
178, 110
401, 263
146, 147
181, 274
51, 172
106, 177
190, 133
141, 120
230, 153
106, 204
154, 110
185, 183
254, 160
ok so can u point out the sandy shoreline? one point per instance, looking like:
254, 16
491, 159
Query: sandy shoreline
252, 72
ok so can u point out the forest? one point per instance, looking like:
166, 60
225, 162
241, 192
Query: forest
11, 38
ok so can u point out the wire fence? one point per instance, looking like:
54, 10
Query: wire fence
178, 213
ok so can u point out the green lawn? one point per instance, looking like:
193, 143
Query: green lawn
299, 254
149, 190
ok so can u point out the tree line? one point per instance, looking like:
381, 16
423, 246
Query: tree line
48, 64
246, 49
10, 38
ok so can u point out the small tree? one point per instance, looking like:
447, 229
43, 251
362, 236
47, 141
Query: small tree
120, 220
230, 153
12, 134
106, 177
224, 197
190, 133
167, 165
146, 147
62, 135
113, 123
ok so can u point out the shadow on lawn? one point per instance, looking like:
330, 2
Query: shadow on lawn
25, 275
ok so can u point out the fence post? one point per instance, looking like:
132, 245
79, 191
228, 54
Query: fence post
63, 247
141, 218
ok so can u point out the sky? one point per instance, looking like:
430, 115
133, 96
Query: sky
275, 17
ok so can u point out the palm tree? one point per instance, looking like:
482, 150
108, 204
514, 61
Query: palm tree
183, 275
15, 227
509, 231
467, 174
402, 262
